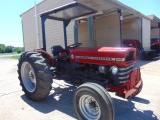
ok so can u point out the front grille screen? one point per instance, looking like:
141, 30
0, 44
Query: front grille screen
123, 73
129, 56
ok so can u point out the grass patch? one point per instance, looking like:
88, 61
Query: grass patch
16, 57
8, 53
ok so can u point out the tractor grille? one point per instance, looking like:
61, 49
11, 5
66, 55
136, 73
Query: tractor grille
123, 73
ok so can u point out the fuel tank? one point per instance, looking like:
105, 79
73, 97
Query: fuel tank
118, 56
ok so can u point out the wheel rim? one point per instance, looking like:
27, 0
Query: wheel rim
28, 77
89, 107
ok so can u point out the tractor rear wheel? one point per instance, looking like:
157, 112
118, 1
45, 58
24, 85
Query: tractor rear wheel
34, 75
92, 102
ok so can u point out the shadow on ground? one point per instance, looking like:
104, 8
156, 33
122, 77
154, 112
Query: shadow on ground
126, 110
62, 100
140, 63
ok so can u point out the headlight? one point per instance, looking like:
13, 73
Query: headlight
114, 70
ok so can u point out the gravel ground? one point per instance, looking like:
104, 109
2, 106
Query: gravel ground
58, 105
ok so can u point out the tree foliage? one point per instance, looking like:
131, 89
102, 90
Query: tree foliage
10, 49
2, 48
19, 49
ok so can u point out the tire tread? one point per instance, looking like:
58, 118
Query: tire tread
43, 75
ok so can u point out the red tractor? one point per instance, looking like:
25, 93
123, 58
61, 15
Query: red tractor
100, 69
140, 52
155, 44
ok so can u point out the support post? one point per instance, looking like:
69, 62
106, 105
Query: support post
23, 35
90, 29
37, 28
65, 24
43, 20
76, 32
65, 35
159, 29
120, 20
141, 31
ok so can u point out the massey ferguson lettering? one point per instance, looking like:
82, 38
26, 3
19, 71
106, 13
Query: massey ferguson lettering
100, 58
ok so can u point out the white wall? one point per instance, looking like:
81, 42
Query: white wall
132, 29
155, 33
54, 29
146, 33
106, 31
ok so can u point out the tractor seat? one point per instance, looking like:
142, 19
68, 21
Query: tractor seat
56, 50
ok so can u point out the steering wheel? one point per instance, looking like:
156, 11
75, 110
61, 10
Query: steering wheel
75, 45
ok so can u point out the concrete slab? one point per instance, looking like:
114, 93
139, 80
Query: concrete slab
58, 105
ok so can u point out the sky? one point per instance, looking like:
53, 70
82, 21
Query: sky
11, 26
146, 7
10, 20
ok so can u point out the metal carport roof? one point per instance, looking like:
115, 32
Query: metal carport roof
111, 6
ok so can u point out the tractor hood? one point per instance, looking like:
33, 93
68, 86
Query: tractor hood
103, 55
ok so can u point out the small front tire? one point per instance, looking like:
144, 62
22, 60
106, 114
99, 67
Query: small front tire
92, 102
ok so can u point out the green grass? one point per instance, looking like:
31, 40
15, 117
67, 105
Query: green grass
15, 57
8, 53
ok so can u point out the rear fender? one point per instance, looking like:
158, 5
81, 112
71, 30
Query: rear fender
46, 55
156, 43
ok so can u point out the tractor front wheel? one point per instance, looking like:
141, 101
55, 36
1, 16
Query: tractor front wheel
34, 75
92, 102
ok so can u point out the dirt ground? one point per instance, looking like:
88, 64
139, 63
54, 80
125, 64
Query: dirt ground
14, 105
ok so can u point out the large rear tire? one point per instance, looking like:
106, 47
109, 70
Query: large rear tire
92, 102
34, 75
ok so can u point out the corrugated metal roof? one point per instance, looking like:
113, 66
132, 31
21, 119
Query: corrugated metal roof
106, 6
